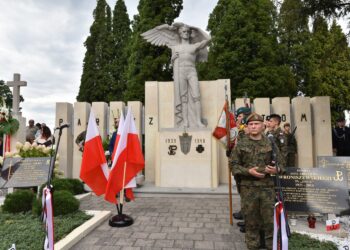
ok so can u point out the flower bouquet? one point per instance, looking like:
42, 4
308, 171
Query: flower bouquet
8, 124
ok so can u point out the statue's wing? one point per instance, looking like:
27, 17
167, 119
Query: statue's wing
162, 35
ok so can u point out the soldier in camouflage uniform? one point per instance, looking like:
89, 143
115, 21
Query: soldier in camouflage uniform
251, 159
280, 138
291, 145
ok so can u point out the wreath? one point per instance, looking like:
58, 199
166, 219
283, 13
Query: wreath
8, 124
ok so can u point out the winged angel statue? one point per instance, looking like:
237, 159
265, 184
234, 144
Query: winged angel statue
188, 45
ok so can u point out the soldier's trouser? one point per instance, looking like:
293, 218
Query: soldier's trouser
258, 206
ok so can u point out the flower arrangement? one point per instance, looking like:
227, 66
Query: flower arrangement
8, 124
27, 150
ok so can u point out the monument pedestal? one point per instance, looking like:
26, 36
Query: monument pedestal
185, 159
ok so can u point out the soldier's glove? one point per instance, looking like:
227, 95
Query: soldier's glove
228, 152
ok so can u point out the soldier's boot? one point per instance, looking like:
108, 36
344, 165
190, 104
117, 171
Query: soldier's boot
242, 229
238, 215
241, 224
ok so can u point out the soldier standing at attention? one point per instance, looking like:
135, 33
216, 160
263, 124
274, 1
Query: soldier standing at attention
280, 138
291, 145
251, 159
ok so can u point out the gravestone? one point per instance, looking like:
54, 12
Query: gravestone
26, 172
20, 135
100, 110
262, 107
64, 115
335, 162
81, 116
321, 120
301, 118
316, 190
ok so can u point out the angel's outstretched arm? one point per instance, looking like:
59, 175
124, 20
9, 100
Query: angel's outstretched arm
206, 37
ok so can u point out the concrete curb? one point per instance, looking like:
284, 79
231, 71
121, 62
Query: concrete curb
80, 232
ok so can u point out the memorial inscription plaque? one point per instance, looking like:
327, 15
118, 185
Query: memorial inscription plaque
335, 161
316, 190
26, 172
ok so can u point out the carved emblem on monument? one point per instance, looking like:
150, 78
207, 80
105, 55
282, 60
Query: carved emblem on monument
172, 149
200, 148
185, 142
188, 45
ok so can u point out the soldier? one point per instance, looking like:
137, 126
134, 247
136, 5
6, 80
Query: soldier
291, 145
280, 139
251, 159
241, 116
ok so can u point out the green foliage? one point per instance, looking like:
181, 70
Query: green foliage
97, 78
244, 49
9, 127
73, 186
64, 203
28, 151
304, 242
147, 62
27, 232
6, 94
18, 201
327, 7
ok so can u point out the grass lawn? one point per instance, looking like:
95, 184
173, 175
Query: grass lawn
27, 231
304, 242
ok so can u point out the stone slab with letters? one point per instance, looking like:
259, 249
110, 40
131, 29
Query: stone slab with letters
316, 190
185, 158
335, 161
25, 172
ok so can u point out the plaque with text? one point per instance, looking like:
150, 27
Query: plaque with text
335, 161
28, 172
316, 190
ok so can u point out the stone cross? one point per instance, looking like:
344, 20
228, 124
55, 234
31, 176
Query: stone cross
16, 84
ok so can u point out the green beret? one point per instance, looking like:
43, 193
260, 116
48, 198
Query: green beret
244, 110
255, 117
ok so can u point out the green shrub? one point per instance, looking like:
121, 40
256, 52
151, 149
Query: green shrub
18, 201
304, 242
73, 186
36, 207
64, 203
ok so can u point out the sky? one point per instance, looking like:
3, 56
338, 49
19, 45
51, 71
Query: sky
43, 41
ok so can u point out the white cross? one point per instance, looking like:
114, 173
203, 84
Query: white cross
16, 84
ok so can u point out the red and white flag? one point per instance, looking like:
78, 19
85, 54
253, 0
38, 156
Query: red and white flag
94, 169
119, 131
48, 218
128, 159
280, 236
332, 224
220, 131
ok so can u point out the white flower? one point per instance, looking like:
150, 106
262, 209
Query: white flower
34, 144
19, 145
16, 155
1, 160
26, 146
8, 154
46, 150
57, 156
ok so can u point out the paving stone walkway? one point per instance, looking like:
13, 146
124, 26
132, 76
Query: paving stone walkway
167, 221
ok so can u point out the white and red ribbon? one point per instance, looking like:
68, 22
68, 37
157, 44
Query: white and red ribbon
6, 144
279, 225
48, 218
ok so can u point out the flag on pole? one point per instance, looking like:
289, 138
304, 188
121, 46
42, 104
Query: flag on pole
128, 160
119, 131
94, 169
48, 218
280, 235
220, 131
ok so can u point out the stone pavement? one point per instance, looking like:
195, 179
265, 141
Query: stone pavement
167, 221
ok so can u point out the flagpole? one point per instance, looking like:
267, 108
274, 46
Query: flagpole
228, 146
122, 191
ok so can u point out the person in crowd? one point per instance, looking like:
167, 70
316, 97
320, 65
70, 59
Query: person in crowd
291, 145
39, 131
31, 131
45, 138
80, 140
341, 138
251, 159
113, 138
275, 130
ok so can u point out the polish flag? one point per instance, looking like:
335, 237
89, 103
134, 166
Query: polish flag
119, 131
94, 169
48, 219
280, 235
128, 160
222, 128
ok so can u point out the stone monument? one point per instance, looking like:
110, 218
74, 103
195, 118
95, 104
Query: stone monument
20, 134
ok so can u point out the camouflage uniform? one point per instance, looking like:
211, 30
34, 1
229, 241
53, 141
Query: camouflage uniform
291, 150
281, 142
257, 195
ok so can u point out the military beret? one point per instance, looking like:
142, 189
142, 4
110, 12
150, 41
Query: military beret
255, 117
340, 119
244, 110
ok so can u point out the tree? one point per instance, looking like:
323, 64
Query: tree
294, 37
245, 49
121, 33
96, 79
147, 62
330, 74
327, 7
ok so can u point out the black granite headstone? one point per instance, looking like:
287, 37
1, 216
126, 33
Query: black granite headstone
316, 190
26, 172
335, 161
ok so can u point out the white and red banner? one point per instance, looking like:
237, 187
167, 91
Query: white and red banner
6, 144
48, 219
128, 159
220, 131
332, 224
94, 170
280, 236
